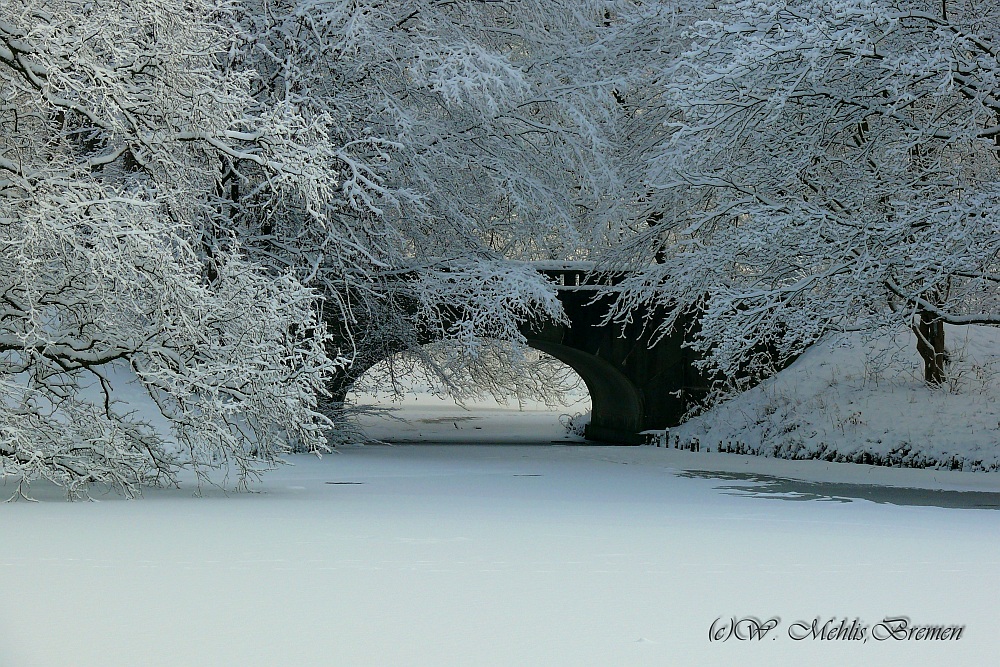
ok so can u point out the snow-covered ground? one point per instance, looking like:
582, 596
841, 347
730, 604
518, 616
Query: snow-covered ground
859, 399
505, 555
486, 536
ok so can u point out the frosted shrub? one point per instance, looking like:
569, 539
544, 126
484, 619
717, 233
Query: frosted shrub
575, 424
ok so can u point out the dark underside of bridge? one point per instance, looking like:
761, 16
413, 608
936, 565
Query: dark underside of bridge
633, 386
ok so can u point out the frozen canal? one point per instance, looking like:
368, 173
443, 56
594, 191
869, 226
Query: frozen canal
508, 555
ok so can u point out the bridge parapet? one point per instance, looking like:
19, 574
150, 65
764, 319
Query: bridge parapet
583, 276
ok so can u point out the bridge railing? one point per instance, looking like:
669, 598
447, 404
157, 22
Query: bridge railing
581, 279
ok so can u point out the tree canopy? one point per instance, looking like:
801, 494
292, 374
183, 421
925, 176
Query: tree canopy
821, 165
214, 214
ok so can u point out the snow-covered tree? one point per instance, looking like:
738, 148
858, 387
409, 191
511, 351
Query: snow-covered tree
538, 376
819, 165
461, 135
133, 343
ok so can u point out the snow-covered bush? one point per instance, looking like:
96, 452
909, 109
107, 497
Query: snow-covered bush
120, 365
575, 424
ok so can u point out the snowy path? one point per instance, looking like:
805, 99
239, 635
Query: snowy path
497, 555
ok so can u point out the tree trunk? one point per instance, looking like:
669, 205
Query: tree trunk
930, 346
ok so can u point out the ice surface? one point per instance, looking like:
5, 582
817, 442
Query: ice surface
502, 555
418, 416
507, 551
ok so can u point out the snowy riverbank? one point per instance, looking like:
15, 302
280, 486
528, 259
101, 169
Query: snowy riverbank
864, 401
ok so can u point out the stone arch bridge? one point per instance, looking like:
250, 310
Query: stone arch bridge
634, 386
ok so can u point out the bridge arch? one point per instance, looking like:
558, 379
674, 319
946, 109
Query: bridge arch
617, 408
616, 404
636, 382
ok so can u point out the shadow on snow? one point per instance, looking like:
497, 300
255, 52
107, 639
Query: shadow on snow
778, 488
